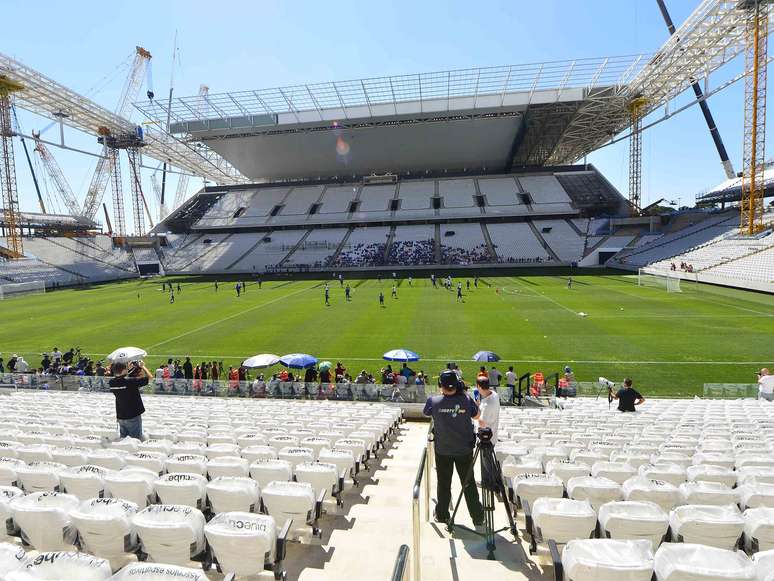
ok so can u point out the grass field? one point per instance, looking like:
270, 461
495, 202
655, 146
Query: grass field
671, 344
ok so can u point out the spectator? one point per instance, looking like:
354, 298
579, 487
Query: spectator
125, 386
407, 372
490, 407
340, 371
12, 363
45, 363
628, 397
510, 383
310, 376
160, 377
765, 385
56, 355
21, 365
259, 386
68, 356
325, 376
188, 369
452, 412
494, 377
2, 366
362, 377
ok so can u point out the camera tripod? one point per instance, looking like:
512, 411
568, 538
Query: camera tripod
492, 485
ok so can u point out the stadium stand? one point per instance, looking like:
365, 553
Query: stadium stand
516, 243
563, 239
317, 249
458, 197
411, 245
464, 244
364, 247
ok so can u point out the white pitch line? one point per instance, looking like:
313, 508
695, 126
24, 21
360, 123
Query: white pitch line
541, 295
239, 314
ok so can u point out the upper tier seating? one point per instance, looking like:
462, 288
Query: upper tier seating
464, 244
318, 248
516, 243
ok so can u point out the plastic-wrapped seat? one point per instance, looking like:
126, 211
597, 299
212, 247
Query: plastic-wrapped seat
156, 446
754, 495
764, 565
153, 461
228, 466
690, 562
562, 519
715, 526
530, 487
222, 449
39, 476
565, 470
607, 560
85, 482
618, 472
188, 463
291, 500
631, 520
675, 474
170, 533
70, 456
322, 476
233, 493
7, 526
759, 529
12, 556
34, 453
763, 474
707, 493
44, 520
181, 488
664, 494
105, 527
513, 468
596, 490
62, 565
8, 449
280, 441
296, 455
8, 471
255, 453
107, 458
711, 473
158, 572
133, 484
354, 445
245, 543
343, 459
127, 444
265, 471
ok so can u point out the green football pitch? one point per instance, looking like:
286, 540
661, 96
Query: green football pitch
669, 343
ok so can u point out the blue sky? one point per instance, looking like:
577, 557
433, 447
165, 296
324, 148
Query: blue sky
243, 45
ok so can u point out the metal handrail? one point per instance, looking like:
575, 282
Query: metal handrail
423, 472
400, 569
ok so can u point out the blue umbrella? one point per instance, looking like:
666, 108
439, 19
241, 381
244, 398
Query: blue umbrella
401, 355
298, 360
486, 356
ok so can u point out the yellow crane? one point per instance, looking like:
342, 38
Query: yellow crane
11, 212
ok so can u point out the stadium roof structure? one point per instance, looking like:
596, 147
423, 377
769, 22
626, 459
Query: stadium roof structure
731, 190
53, 221
486, 119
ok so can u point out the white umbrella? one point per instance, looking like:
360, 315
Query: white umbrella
262, 360
127, 354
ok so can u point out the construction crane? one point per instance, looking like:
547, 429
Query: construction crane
55, 173
11, 213
754, 149
105, 163
636, 109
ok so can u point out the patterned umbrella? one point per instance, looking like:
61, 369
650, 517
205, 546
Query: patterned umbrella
401, 355
261, 361
127, 354
486, 356
325, 365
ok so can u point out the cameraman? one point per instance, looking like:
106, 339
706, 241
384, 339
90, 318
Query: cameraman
125, 385
453, 413
628, 397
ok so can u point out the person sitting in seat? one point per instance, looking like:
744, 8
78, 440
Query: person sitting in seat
628, 397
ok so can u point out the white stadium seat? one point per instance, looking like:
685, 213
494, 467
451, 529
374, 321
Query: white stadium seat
607, 560
44, 520
596, 490
563, 519
7, 494
233, 493
618, 472
39, 476
104, 526
295, 455
759, 529
265, 471
322, 476
189, 463
530, 487
12, 556
158, 572
70, 456
290, 500
712, 473
634, 520
664, 494
255, 453
8, 471
132, 484
689, 562
764, 565
755, 494
708, 493
715, 526
243, 543
182, 488
170, 533
85, 482
227, 466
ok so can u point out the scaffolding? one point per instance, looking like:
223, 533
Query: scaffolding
11, 214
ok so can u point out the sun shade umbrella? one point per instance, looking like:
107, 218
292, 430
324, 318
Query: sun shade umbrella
401, 355
298, 360
486, 356
127, 354
325, 365
262, 360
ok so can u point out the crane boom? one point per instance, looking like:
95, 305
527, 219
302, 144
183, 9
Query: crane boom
104, 165
55, 173
182, 182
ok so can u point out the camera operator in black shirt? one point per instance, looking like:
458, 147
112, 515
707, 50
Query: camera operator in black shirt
125, 385
628, 397
453, 413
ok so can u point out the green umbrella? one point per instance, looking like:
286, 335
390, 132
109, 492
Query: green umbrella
325, 365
